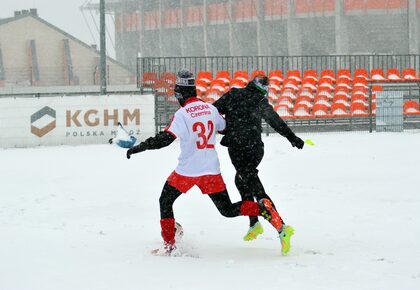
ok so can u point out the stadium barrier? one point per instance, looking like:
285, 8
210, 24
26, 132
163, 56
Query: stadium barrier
311, 93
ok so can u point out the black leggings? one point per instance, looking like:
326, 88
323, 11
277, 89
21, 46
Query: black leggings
221, 200
246, 160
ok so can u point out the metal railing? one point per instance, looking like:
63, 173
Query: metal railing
409, 90
166, 106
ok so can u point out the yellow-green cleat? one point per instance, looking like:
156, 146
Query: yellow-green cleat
285, 236
254, 232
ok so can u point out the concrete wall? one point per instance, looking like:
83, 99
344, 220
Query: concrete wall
345, 30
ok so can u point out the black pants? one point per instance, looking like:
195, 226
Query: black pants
246, 160
221, 200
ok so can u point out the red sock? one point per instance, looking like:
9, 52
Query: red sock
250, 208
168, 230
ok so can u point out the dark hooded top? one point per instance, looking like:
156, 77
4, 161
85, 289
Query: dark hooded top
244, 110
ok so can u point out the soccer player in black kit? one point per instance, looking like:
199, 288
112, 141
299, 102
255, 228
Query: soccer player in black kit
195, 124
244, 109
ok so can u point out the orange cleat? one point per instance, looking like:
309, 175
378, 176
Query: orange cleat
268, 212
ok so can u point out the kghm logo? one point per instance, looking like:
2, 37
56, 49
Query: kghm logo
43, 121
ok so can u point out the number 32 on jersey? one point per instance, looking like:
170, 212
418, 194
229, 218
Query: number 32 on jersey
204, 134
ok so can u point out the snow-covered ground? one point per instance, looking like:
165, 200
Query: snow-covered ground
86, 218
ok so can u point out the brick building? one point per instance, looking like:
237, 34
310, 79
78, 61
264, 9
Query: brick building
34, 52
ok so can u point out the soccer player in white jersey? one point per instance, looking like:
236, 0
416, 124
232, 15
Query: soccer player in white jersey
196, 124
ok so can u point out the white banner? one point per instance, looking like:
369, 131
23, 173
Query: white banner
73, 120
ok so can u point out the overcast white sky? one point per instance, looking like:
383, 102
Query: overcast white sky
66, 15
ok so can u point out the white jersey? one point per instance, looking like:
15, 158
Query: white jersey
196, 125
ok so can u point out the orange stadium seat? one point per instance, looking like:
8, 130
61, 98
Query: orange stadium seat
291, 84
321, 98
377, 74
223, 75
344, 74
213, 95
294, 74
161, 87
301, 111
358, 110
376, 4
327, 74
304, 100
276, 75
302, 7
360, 101
170, 91
374, 89
409, 74
342, 99
201, 86
242, 75
168, 77
204, 99
257, 72
238, 83
218, 84
205, 76
393, 74
307, 92
149, 79
272, 97
286, 100
361, 73
326, 93
339, 110
272, 8
397, 4
311, 75
273, 91
354, 5
272, 102
283, 111
343, 83
343, 91
377, 88
325, 6
326, 84
288, 93
411, 108
320, 111
360, 83
360, 94
309, 84
201, 95
275, 85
